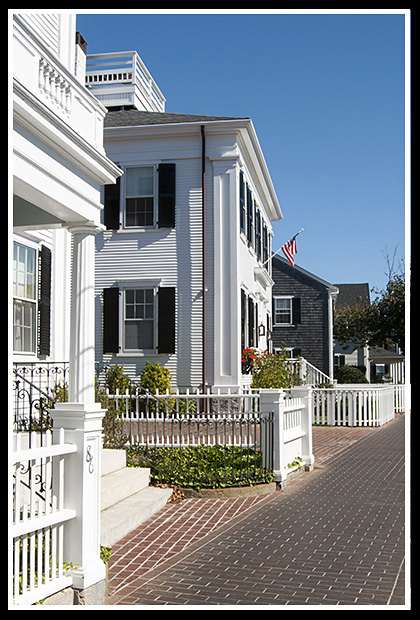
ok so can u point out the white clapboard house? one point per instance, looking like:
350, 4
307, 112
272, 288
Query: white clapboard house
183, 269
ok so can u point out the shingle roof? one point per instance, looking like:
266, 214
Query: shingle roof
352, 294
283, 265
132, 118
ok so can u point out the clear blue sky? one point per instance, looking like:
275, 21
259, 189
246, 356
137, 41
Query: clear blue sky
326, 94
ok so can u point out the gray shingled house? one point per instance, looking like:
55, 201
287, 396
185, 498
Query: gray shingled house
303, 307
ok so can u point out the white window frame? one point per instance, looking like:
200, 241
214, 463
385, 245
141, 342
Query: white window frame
153, 195
138, 286
26, 300
283, 297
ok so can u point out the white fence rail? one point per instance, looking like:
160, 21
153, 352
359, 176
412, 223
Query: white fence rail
39, 515
308, 373
354, 405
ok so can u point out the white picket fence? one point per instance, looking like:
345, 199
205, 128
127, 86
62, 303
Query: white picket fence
38, 517
355, 405
292, 412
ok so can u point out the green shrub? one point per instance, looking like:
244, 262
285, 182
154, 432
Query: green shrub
274, 371
350, 374
156, 378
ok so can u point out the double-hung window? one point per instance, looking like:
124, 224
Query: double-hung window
286, 310
139, 319
139, 197
143, 197
282, 310
24, 298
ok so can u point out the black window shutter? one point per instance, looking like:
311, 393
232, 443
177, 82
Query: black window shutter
243, 318
251, 323
44, 302
111, 320
166, 320
166, 196
296, 314
242, 201
249, 204
256, 326
112, 205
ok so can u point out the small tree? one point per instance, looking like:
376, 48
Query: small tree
378, 323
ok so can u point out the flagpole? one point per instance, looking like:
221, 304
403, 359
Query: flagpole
280, 248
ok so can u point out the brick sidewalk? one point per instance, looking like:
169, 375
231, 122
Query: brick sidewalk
159, 547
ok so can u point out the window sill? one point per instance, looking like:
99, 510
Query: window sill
141, 353
284, 325
145, 229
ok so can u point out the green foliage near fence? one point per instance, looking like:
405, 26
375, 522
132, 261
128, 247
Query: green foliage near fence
201, 466
270, 370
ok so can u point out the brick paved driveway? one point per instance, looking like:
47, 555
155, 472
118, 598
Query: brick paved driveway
334, 536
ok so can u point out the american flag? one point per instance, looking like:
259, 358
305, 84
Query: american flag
289, 248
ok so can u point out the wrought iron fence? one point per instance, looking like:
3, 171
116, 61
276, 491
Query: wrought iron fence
30, 406
36, 387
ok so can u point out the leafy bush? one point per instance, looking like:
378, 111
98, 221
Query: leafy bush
156, 378
350, 374
274, 371
116, 380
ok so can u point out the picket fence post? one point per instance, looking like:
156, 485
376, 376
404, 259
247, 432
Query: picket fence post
82, 424
272, 401
306, 394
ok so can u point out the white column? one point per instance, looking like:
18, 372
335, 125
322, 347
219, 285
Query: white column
331, 297
81, 419
227, 307
82, 321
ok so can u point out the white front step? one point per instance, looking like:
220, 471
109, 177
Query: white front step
120, 519
127, 500
113, 460
120, 484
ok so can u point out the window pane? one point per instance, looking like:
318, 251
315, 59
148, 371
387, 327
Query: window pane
139, 212
139, 181
24, 271
283, 311
139, 335
23, 326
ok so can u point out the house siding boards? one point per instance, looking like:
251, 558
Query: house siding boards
311, 336
170, 256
